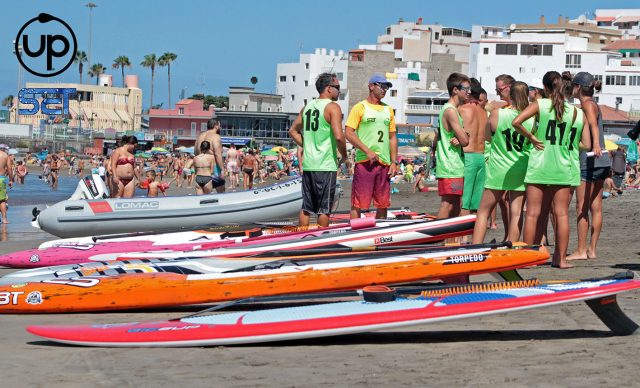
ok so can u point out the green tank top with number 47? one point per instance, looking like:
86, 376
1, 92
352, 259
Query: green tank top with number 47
318, 142
373, 131
553, 165
449, 158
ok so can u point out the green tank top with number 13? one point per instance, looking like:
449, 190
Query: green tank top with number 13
318, 142
373, 131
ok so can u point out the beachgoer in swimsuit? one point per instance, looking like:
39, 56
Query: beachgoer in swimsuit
249, 165
21, 171
204, 165
123, 168
152, 186
212, 135
56, 164
233, 166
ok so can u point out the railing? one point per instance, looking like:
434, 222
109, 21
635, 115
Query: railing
423, 107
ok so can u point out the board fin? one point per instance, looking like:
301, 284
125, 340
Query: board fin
609, 312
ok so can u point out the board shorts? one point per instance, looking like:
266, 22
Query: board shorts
318, 191
474, 176
606, 194
594, 174
450, 186
217, 181
232, 166
3, 188
371, 181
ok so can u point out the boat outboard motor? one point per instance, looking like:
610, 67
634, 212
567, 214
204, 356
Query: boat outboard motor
90, 187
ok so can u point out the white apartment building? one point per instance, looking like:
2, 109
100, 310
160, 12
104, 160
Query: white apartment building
296, 82
406, 81
528, 51
625, 20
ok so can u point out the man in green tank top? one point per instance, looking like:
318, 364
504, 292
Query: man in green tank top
450, 140
318, 131
371, 128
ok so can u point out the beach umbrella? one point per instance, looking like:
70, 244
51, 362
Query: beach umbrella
159, 150
409, 151
425, 149
279, 149
13, 151
143, 155
269, 153
610, 145
187, 150
71, 149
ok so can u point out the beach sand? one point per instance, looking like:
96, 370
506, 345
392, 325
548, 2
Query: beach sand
558, 346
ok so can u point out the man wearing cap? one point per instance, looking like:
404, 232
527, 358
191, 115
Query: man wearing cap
371, 129
6, 177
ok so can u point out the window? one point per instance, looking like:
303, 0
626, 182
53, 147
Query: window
547, 50
573, 61
522, 70
394, 93
293, 78
293, 97
485, 50
306, 65
596, 99
180, 132
306, 83
283, 78
203, 127
397, 43
341, 97
339, 76
180, 111
437, 35
597, 77
388, 30
634, 80
616, 80
193, 126
618, 100
506, 49
530, 49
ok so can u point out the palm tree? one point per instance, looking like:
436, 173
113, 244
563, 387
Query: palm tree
8, 101
150, 61
80, 58
95, 70
165, 60
121, 62
254, 81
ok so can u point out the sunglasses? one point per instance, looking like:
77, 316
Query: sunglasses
337, 87
382, 86
499, 90
464, 88
533, 88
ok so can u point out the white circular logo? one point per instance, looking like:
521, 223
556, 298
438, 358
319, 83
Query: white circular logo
34, 297
34, 258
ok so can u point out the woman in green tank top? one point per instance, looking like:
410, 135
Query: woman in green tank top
549, 172
507, 165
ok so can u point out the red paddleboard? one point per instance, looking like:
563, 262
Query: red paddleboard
332, 319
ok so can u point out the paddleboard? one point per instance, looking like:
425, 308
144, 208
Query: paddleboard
330, 319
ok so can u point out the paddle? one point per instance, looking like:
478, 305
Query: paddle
609, 315
325, 254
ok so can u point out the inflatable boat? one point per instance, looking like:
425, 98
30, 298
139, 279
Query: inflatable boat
84, 217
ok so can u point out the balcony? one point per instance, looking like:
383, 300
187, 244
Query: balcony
422, 109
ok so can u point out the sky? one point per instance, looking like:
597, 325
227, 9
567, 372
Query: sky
222, 43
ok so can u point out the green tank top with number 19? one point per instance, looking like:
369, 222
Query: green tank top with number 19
449, 158
373, 131
552, 166
318, 142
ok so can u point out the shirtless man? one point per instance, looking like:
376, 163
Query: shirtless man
212, 135
475, 121
204, 164
233, 166
6, 178
249, 165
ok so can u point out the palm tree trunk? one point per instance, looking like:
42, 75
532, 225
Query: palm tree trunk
97, 78
152, 77
169, 77
122, 68
80, 68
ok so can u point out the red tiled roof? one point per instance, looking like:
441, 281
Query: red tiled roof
185, 101
605, 18
611, 114
623, 44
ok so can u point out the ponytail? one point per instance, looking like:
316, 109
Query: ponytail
553, 87
519, 95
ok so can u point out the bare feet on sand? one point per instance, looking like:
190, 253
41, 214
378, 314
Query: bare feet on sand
588, 255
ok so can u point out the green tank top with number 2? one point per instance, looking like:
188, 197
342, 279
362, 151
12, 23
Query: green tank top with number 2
373, 131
